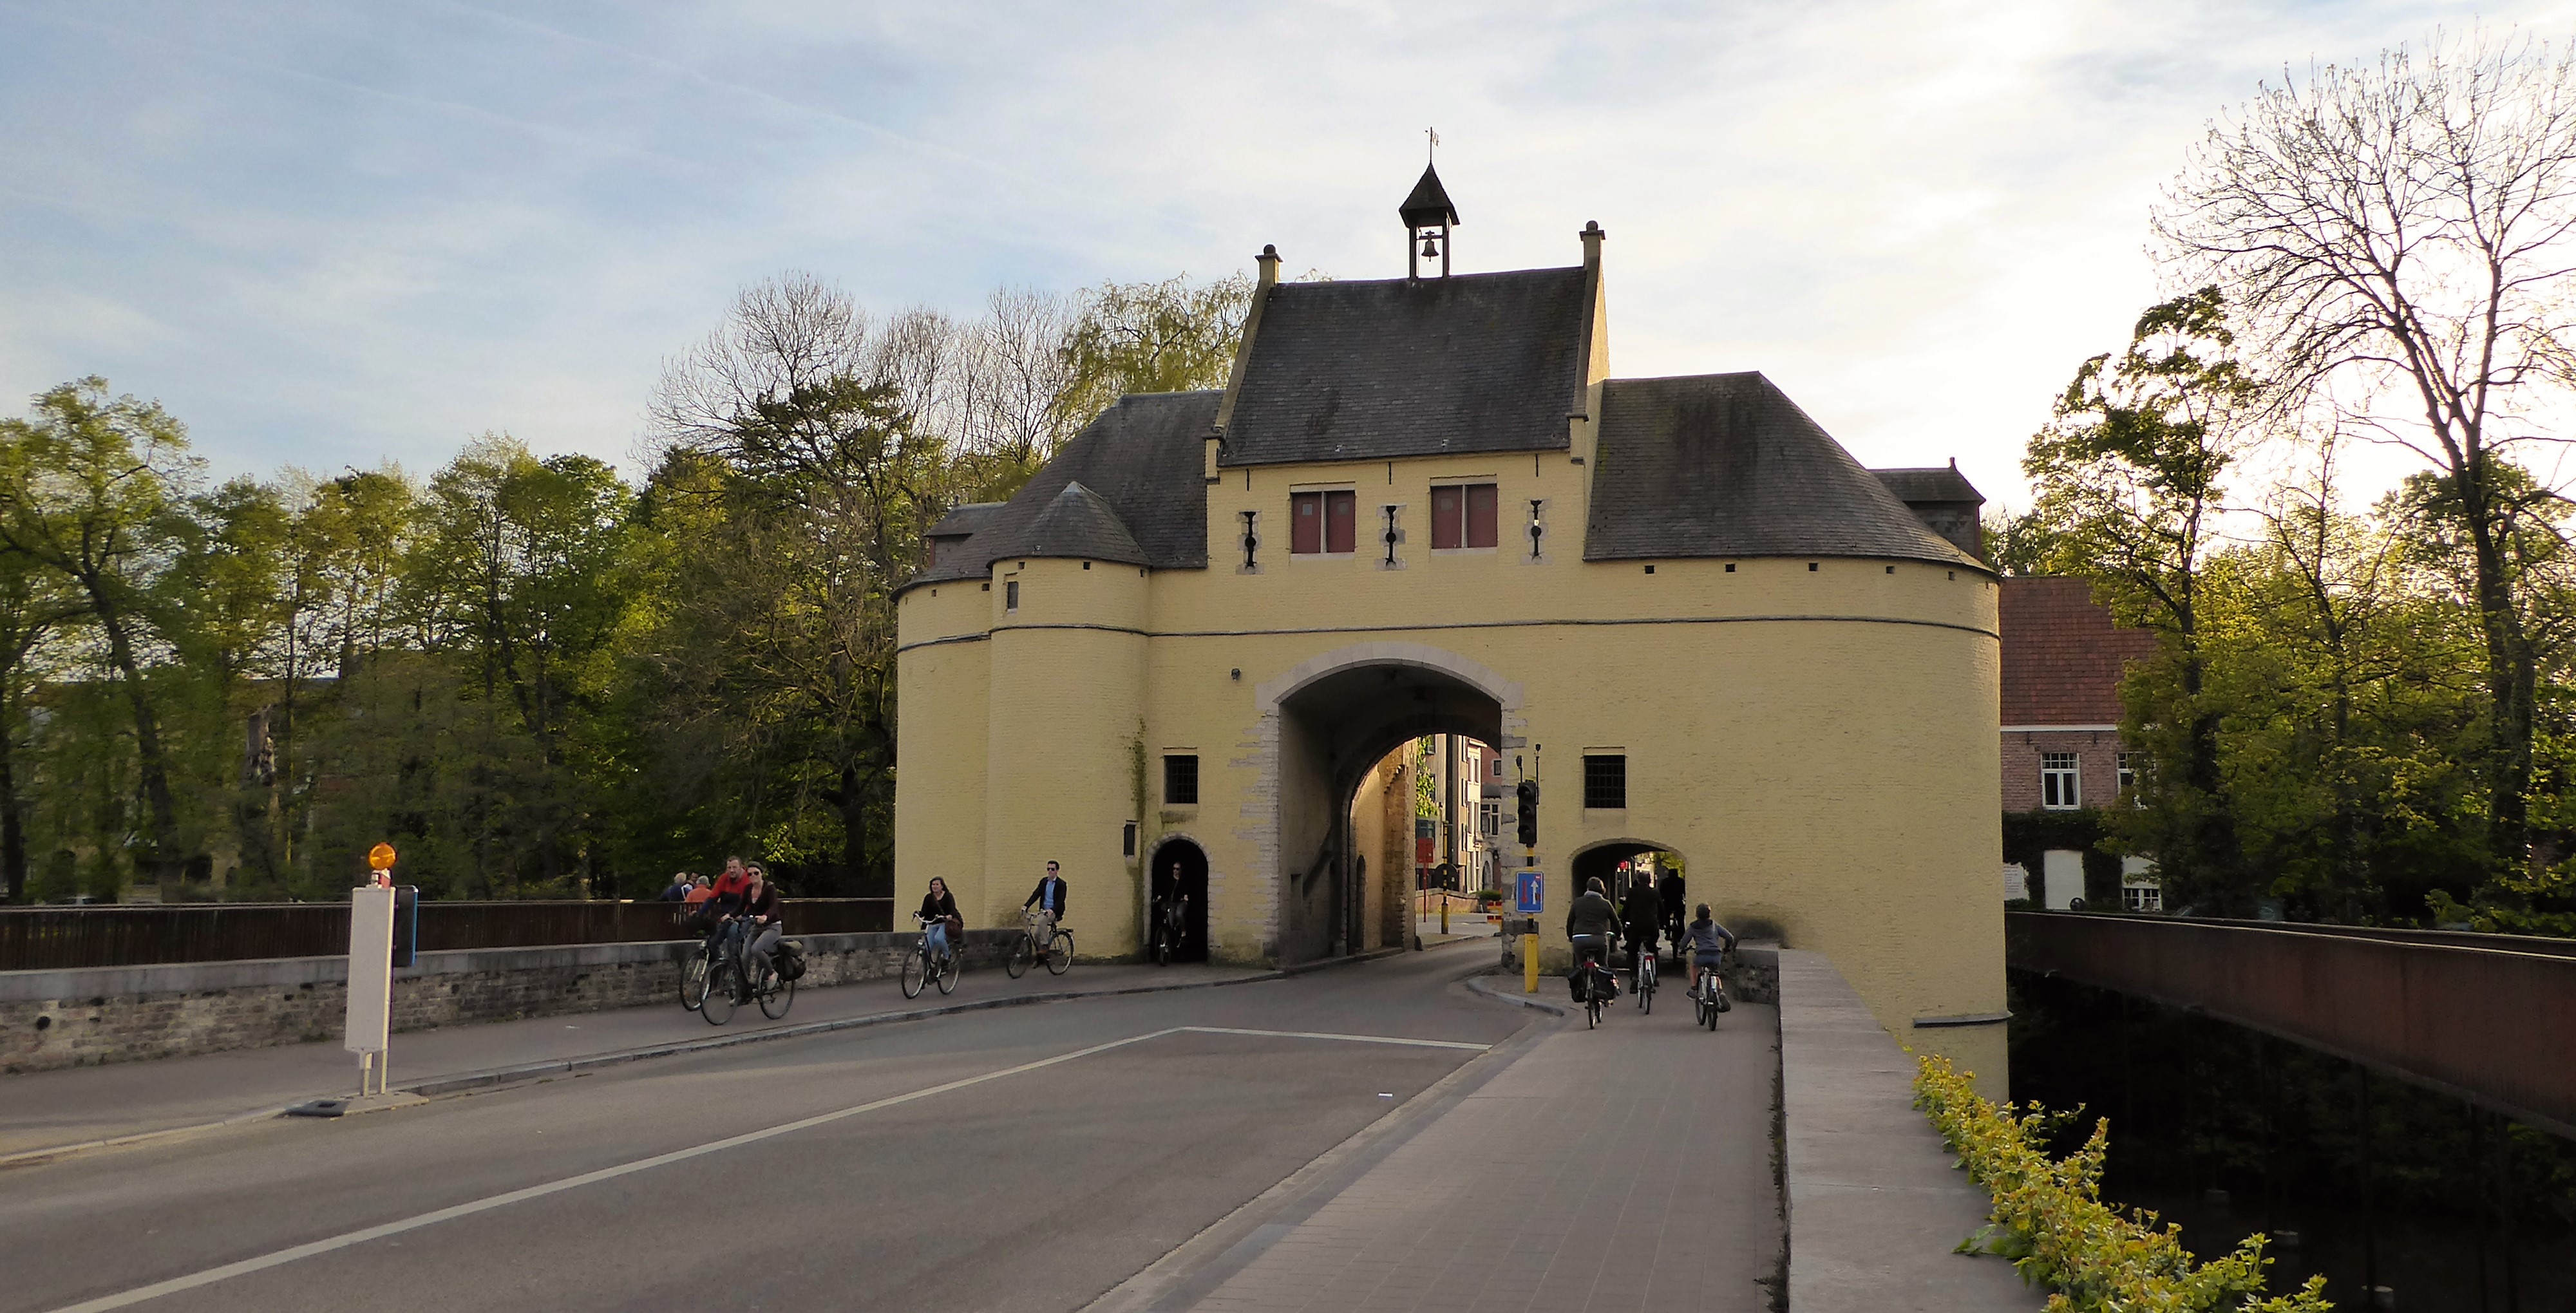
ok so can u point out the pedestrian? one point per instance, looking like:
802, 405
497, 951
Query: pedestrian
1671, 892
698, 891
679, 888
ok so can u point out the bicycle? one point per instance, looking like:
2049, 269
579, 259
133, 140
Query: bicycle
1059, 949
1598, 985
920, 970
1645, 972
1708, 997
730, 984
1167, 933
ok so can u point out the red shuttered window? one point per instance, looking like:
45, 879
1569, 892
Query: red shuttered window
1322, 522
1465, 515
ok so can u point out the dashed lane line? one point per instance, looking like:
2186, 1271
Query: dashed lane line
344, 1240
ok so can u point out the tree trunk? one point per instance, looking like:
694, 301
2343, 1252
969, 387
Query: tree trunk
2511, 680
152, 765
853, 801
13, 821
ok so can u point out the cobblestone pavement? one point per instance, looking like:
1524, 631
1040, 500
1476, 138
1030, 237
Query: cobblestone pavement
1624, 1168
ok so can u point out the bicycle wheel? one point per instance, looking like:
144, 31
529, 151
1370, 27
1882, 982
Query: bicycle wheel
916, 972
948, 973
1591, 1013
775, 1000
1060, 953
693, 981
1017, 965
722, 993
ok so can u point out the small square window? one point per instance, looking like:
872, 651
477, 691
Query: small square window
1322, 522
1605, 783
2060, 784
1181, 780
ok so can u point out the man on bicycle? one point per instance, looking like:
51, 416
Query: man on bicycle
1170, 905
1589, 923
1709, 945
724, 904
1048, 899
1641, 916
1670, 893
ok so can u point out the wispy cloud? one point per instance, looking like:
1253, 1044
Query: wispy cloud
324, 234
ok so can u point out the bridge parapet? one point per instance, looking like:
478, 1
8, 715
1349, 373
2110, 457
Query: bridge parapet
2481, 1017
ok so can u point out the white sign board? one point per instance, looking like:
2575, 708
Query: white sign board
371, 970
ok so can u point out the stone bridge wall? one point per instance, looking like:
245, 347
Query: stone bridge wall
52, 1019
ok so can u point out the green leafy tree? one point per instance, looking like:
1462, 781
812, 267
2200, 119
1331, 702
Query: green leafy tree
2129, 477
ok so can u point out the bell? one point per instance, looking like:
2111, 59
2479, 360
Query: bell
1430, 244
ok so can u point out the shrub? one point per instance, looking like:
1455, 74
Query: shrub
2049, 1218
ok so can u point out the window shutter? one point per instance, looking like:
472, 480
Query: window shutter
1447, 514
1306, 522
1340, 521
1481, 504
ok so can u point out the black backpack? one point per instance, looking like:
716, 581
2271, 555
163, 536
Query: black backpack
791, 959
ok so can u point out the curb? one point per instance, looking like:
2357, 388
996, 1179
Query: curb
1477, 984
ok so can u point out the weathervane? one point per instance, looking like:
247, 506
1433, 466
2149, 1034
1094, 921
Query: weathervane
1433, 147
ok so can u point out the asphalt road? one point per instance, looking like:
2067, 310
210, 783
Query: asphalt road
1073, 1144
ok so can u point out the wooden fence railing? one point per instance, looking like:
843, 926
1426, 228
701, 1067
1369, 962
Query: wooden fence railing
59, 938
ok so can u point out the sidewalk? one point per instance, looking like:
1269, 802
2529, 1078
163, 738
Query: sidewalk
51, 1109
1624, 1168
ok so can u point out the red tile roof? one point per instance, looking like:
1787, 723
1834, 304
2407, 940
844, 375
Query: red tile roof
2063, 657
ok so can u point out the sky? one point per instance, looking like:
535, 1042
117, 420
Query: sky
330, 235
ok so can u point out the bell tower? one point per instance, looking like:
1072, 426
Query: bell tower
1428, 216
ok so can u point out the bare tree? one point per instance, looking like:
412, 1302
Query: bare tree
2396, 239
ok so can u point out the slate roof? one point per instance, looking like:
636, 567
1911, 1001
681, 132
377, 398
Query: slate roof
964, 520
1140, 462
2062, 656
1079, 525
1374, 370
1940, 483
1727, 465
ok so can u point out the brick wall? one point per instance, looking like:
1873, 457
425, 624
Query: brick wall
2097, 761
51, 1019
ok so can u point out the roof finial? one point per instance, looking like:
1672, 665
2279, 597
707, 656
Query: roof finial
1433, 146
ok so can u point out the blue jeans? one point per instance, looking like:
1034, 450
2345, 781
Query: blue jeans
938, 931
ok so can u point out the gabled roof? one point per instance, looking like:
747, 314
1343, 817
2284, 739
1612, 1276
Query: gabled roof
964, 520
2063, 658
1374, 370
1940, 483
1141, 461
1428, 206
1727, 465
1078, 524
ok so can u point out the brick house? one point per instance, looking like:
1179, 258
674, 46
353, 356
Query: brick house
2063, 760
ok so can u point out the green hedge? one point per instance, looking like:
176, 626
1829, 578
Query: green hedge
2049, 1218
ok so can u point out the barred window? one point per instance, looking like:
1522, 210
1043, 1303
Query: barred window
1181, 780
1605, 783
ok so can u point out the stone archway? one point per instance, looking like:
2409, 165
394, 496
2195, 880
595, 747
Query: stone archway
1191, 882
1325, 724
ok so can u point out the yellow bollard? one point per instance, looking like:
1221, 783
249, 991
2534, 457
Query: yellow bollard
1529, 964
1444, 914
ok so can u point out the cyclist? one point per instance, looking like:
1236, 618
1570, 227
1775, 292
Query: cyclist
1589, 924
1640, 915
1048, 899
1710, 942
724, 904
761, 917
937, 908
1669, 891
1170, 904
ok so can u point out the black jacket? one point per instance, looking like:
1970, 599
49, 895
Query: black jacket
936, 906
1052, 899
1671, 891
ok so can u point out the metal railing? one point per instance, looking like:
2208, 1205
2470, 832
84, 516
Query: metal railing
2485, 1017
62, 938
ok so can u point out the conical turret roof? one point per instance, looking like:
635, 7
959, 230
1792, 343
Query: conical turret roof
1078, 523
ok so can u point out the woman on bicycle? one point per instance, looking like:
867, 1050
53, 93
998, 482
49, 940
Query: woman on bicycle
1710, 942
761, 911
936, 908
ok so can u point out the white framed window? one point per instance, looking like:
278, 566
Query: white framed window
2142, 897
2129, 763
2059, 783
1489, 817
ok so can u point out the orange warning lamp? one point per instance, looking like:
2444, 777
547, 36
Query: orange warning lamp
380, 857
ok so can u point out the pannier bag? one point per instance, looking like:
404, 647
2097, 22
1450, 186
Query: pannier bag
791, 958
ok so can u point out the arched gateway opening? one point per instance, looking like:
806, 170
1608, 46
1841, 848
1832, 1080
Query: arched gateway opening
1336, 727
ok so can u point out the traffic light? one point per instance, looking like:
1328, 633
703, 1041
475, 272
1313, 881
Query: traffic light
1529, 813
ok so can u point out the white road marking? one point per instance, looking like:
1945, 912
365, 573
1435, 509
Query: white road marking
345, 1239
1354, 1039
